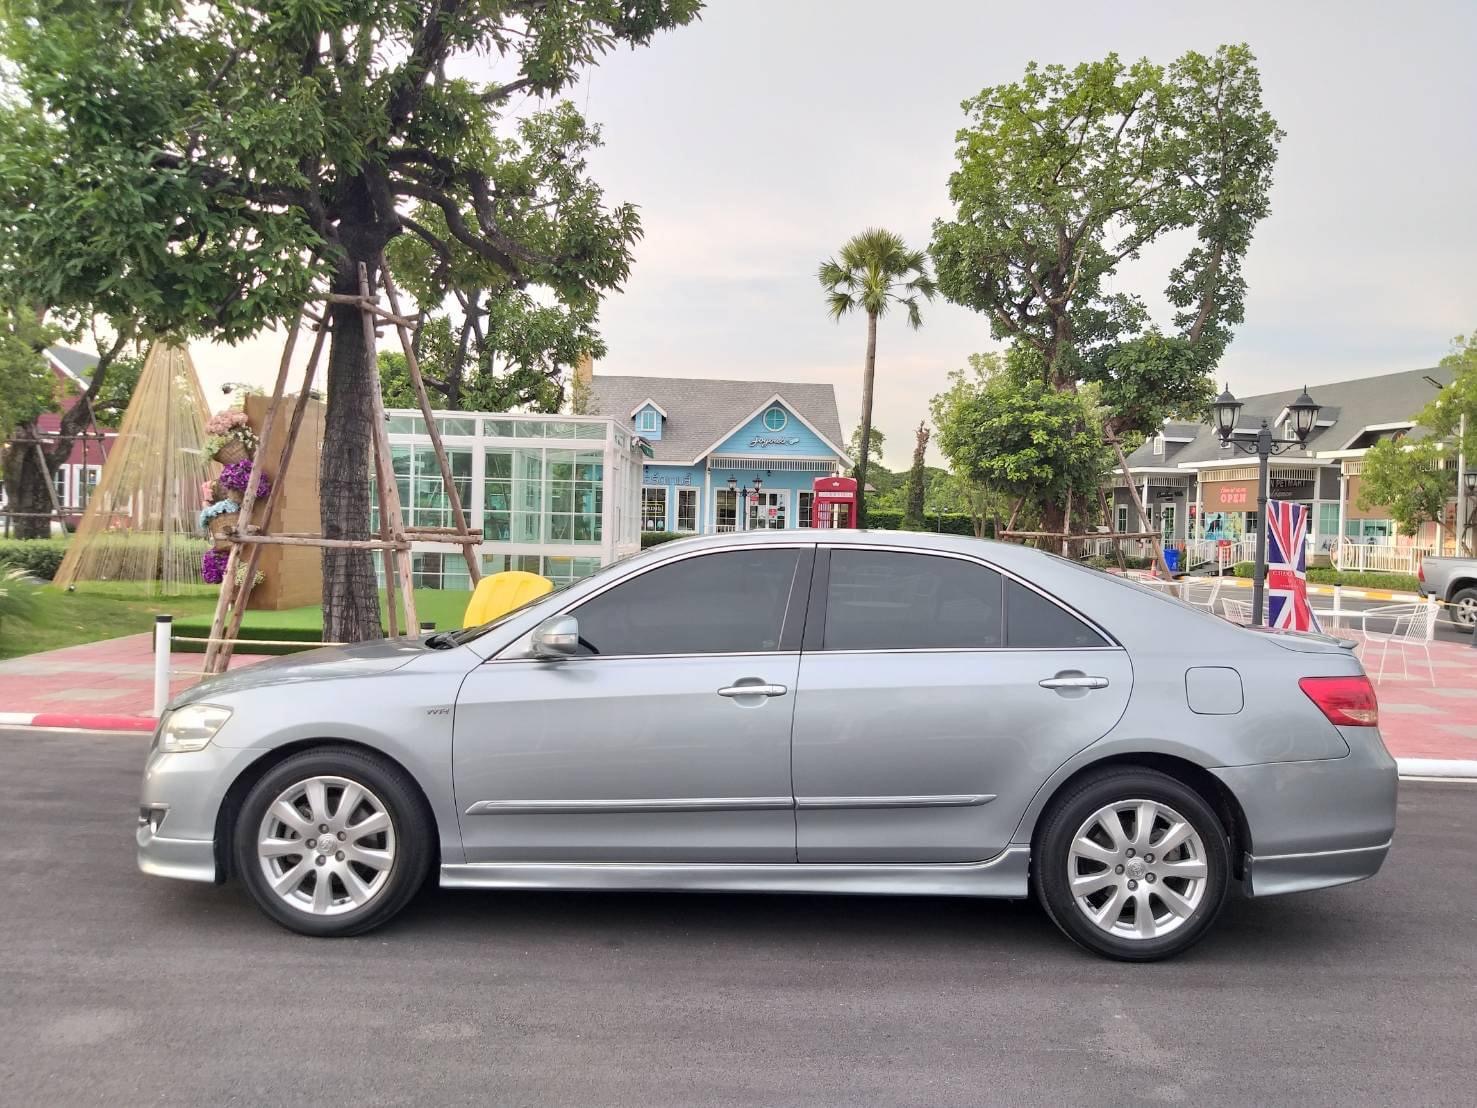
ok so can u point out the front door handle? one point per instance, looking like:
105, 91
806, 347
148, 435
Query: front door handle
753, 690
1074, 681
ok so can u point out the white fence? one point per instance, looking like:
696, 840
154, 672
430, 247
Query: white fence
1353, 556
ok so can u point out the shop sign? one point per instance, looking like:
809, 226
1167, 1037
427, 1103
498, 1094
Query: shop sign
1230, 496
772, 440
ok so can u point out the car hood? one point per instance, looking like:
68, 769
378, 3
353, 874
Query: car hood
327, 663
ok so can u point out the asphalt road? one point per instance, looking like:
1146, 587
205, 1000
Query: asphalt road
116, 988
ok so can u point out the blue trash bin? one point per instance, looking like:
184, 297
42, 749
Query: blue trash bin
1172, 559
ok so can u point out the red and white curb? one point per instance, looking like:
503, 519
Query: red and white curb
76, 721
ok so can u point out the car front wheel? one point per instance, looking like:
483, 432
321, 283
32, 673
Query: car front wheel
1132, 864
333, 842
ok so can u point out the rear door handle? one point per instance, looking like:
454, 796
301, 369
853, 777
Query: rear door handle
1074, 682
753, 690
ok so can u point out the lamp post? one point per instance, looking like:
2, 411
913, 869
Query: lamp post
1304, 413
743, 500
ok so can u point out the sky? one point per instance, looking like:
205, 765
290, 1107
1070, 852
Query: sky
759, 139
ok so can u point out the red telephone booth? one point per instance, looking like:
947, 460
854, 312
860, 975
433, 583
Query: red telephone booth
834, 504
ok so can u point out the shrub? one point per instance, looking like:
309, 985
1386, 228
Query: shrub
1327, 575
952, 523
656, 538
38, 557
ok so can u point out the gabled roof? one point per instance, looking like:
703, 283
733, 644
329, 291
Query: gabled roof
649, 403
74, 363
1345, 409
771, 402
701, 413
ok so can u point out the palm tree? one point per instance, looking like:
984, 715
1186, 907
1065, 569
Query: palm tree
873, 271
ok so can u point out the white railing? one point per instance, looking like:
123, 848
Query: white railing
1208, 551
1354, 556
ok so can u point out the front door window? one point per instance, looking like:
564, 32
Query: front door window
767, 510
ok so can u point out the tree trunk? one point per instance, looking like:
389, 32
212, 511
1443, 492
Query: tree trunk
868, 376
913, 517
27, 486
351, 610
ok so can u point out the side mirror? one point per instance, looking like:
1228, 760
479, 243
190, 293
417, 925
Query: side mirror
556, 637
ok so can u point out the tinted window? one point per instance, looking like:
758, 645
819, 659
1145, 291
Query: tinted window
715, 604
878, 600
1033, 621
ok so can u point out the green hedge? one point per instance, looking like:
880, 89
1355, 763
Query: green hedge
39, 557
656, 538
1327, 575
951, 523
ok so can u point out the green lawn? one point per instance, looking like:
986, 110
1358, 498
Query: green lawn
95, 612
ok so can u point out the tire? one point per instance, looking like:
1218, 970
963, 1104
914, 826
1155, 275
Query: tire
375, 857
1463, 604
1075, 841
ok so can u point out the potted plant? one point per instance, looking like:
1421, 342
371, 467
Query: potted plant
213, 566
235, 475
218, 519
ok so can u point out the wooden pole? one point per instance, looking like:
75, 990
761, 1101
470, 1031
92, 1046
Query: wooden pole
1156, 541
1108, 521
1067, 522
412, 364
390, 509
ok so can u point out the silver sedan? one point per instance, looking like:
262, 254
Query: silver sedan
845, 712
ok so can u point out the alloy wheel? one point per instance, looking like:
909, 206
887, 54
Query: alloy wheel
1137, 869
326, 846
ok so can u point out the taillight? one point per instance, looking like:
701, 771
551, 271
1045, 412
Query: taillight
1420, 573
1346, 701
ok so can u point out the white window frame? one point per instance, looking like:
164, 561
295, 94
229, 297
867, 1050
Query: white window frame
1159, 446
648, 420
804, 511
666, 507
689, 494
784, 418
1122, 518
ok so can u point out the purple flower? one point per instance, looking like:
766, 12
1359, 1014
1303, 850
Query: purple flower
213, 566
235, 476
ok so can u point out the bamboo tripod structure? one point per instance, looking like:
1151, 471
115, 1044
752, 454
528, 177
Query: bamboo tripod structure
394, 538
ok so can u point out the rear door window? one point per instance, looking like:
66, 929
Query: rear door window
887, 600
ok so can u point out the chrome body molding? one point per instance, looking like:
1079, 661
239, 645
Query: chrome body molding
961, 800
717, 804
1005, 875
622, 807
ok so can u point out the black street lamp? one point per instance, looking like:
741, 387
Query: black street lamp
1304, 413
743, 500
1469, 479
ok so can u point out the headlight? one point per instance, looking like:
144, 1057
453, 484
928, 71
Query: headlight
191, 727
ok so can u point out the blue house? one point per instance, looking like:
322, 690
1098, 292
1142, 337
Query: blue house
726, 455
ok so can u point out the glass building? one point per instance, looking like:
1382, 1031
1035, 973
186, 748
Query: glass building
558, 496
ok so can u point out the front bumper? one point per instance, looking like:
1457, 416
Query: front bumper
178, 804
1315, 824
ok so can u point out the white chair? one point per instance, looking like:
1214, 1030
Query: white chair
1201, 592
1236, 611
1412, 628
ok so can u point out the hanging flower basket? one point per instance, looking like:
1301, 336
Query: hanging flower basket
213, 566
235, 476
230, 449
220, 528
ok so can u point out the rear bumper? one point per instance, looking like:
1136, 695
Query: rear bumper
1274, 874
1313, 824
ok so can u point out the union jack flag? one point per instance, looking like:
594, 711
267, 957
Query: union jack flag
1287, 568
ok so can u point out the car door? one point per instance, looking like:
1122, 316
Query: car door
666, 739
936, 694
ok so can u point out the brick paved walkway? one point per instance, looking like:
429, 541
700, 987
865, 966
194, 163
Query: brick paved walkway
115, 678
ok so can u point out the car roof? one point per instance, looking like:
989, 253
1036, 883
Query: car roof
1022, 559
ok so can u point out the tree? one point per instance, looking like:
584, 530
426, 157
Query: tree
1065, 175
873, 271
28, 388
913, 515
1006, 431
1409, 479
199, 167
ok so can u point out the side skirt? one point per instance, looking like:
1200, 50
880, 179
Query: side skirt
1005, 875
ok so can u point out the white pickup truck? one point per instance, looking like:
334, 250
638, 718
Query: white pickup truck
1454, 581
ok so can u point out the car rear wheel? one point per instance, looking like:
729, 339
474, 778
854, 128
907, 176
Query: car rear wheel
1132, 864
1464, 607
333, 842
